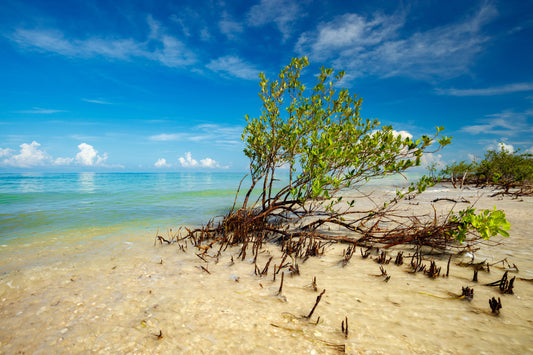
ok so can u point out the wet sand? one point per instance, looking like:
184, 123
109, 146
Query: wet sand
117, 295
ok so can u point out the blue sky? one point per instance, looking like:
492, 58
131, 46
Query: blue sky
164, 85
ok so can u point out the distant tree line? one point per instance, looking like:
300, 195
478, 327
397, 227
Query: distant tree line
509, 172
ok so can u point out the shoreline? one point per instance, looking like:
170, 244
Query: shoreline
117, 298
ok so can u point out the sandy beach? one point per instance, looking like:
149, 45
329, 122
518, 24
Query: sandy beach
125, 295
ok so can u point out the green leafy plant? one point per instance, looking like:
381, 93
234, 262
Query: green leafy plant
319, 136
488, 223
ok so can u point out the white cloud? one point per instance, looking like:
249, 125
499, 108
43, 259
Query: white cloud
376, 46
189, 162
63, 161
174, 53
162, 163
208, 163
431, 158
88, 156
233, 66
501, 146
530, 150
4, 152
495, 90
166, 137
349, 32
100, 102
41, 111
505, 123
281, 12
229, 27
204, 132
403, 134
159, 46
205, 35
395, 133
29, 155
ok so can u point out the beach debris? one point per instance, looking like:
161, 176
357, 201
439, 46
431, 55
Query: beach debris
495, 306
318, 298
282, 261
160, 238
344, 327
201, 257
205, 269
505, 285
347, 254
294, 269
314, 285
265, 269
467, 293
462, 200
382, 258
474, 278
383, 273
160, 335
366, 253
433, 270
281, 284
416, 261
506, 266
399, 258
448, 266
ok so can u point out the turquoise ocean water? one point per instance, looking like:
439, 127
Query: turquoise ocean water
41, 206
36, 206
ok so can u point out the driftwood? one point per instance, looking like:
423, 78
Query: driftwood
504, 284
495, 306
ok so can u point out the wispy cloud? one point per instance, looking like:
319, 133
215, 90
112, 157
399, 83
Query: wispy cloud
280, 12
506, 123
63, 161
233, 66
230, 28
4, 152
227, 135
376, 45
97, 101
159, 47
163, 137
40, 111
490, 91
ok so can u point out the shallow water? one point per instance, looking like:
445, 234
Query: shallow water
117, 292
50, 205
